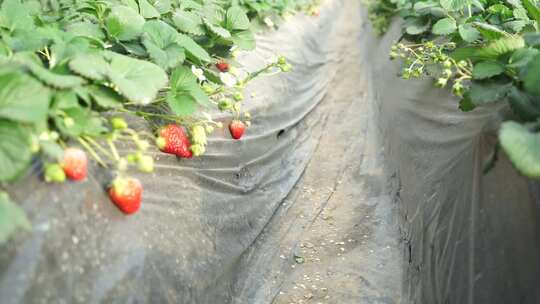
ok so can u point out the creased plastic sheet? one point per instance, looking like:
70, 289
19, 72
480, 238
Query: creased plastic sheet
469, 237
198, 216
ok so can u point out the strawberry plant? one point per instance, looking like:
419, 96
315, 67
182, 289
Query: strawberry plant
487, 52
72, 70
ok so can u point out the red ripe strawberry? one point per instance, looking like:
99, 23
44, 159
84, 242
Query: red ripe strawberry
237, 128
222, 66
75, 164
126, 194
173, 140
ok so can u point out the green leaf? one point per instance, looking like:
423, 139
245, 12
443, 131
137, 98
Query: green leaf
444, 26
12, 218
237, 19
533, 10
15, 15
90, 65
502, 46
22, 98
218, 30
15, 155
188, 22
487, 69
182, 104
532, 78
522, 57
85, 29
488, 92
416, 26
245, 40
124, 23
55, 80
466, 104
522, 147
468, 32
162, 6
160, 40
524, 105
147, 10
454, 5
193, 48
105, 97
490, 32
83, 121
137, 80
25, 40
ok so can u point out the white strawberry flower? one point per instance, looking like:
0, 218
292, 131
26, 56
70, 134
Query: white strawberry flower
198, 72
228, 79
268, 22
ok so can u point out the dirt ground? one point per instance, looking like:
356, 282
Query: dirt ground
339, 224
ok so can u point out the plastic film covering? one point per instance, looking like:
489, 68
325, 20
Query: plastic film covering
199, 216
469, 237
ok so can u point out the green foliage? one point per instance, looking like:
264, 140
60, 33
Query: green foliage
487, 52
66, 66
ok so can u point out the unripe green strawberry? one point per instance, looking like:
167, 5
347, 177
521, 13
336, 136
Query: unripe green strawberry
145, 164
225, 104
282, 60
209, 129
118, 123
54, 173
198, 135
197, 149
238, 96
286, 67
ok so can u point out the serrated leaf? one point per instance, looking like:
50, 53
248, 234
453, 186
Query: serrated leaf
487, 69
444, 26
415, 26
454, 5
162, 6
522, 147
161, 43
25, 40
15, 15
502, 46
188, 22
12, 218
488, 92
468, 33
147, 10
193, 48
85, 29
245, 40
22, 98
182, 104
53, 79
237, 19
490, 32
533, 10
466, 104
90, 65
218, 30
532, 78
105, 97
137, 80
522, 57
524, 105
124, 23
15, 152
